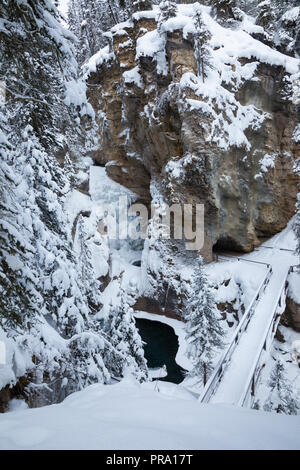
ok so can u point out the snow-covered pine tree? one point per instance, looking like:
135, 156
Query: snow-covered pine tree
287, 34
89, 19
19, 297
201, 38
89, 282
224, 10
84, 21
65, 304
167, 9
266, 14
140, 5
281, 398
297, 39
203, 331
70, 172
279, 20
124, 336
39, 272
75, 17
43, 184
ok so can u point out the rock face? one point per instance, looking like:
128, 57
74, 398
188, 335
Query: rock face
147, 125
8, 393
291, 315
292, 312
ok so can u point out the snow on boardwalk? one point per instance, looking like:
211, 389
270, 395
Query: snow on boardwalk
236, 376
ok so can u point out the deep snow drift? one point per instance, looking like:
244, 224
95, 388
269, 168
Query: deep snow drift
131, 416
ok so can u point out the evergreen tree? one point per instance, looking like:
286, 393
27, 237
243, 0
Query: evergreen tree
88, 278
224, 10
44, 183
140, 5
19, 296
266, 14
203, 330
124, 336
44, 307
84, 19
89, 19
70, 172
201, 37
279, 20
167, 10
286, 34
281, 398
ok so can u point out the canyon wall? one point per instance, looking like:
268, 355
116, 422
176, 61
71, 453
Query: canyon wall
153, 126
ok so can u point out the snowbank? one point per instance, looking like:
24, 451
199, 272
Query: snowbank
134, 76
75, 95
244, 278
152, 44
130, 416
103, 55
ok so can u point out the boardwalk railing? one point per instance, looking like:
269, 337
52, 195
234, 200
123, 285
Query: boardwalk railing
248, 395
216, 376
246, 260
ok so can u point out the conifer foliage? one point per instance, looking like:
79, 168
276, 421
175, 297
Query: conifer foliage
90, 19
45, 315
266, 14
201, 38
280, 20
19, 296
89, 282
224, 9
128, 354
140, 5
203, 330
167, 9
281, 398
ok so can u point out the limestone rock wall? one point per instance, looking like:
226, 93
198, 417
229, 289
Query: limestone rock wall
144, 124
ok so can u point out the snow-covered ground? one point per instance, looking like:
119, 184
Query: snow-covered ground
130, 416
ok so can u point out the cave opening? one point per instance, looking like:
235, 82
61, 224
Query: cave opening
227, 244
98, 163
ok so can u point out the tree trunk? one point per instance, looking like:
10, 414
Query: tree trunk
204, 375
